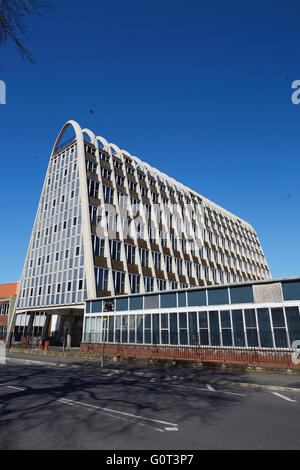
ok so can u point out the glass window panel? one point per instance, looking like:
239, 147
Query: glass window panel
173, 328
164, 320
227, 337
182, 320
250, 319
277, 317
121, 304
238, 328
193, 336
151, 301
280, 338
155, 329
148, 336
197, 298
225, 319
183, 337
111, 329
96, 306
240, 295
293, 322
214, 328
136, 303
139, 329
264, 324
217, 296
148, 321
291, 290
168, 300
164, 337
204, 340
181, 299
252, 337
203, 322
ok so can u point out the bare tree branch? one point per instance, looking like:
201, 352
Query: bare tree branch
12, 22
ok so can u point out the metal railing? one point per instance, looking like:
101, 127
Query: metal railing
284, 356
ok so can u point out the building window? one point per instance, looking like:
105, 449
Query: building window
134, 280
115, 249
130, 253
98, 246
144, 255
119, 281
108, 194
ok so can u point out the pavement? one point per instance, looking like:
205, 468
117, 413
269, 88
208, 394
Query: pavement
238, 378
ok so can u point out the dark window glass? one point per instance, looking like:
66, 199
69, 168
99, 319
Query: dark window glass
167, 300
164, 320
182, 320
280, 338
165, 337
240, 295
264, 324
155, 329
136, 303
110, 329
173, 328
148, 321
293, 322
96, 306
225, 319
250, 319
181, 299
238, 328
183, 337
204, 341
139, 329
148, 336
214, 328
196, 298
291, 290
217, 296
252, 338
193, 328
122, 304
227, 337
277, 317
203, 320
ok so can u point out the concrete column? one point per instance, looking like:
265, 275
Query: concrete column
30, 327
46, 324
69, 335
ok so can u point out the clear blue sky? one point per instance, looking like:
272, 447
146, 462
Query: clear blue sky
199, 89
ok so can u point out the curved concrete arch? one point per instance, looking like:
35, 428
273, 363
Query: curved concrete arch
104, 143
116, 149
90, 134
77, 129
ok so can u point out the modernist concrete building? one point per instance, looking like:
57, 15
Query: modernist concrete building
109, 224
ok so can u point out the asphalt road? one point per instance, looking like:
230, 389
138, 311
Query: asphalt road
49, 408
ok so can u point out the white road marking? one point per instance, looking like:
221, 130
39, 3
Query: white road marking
66, 402
12, 386
211, 388
284, 397
208, 390
122, 413
171, 429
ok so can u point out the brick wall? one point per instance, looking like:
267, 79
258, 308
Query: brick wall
241, 356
